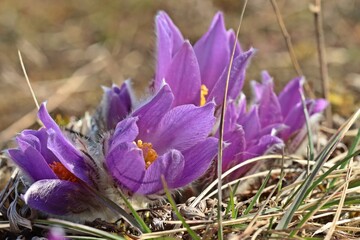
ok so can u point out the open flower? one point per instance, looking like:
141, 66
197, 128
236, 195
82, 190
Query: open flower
160, 140
55, 167
198, 74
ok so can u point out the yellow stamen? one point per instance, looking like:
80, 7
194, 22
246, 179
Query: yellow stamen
62, 172
203, 93
150, 155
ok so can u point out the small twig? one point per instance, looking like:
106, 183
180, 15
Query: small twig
28, 80
320, 40
341, 204
70, 85
221, 129
289, 46
287, 38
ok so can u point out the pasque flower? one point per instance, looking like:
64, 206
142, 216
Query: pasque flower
270, 121
285, 111
198, 74
55, 168
116, 104
157, 139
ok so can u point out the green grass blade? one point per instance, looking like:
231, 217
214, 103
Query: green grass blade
307, 122
179, 216
143, 225
320, 160
258, 194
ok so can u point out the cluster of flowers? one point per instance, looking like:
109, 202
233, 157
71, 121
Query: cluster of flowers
173, 134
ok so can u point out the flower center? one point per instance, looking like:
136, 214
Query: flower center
204, 91
150, 155
62, 172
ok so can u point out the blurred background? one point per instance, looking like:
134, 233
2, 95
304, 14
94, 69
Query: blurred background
71, 48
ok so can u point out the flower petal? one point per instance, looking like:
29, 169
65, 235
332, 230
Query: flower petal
126, 165
198, 159
125, 131
290, 95
212, 51
265, 144
269, 106
169, 40
116, 104
182, 127
236, 146
67, 154
251, 124
183, 76
56, 197
170, 165
32, 163
39, 140
237, 77
232, 38
153, 110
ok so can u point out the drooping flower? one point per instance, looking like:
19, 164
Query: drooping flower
160, 140
198, 74
56, 169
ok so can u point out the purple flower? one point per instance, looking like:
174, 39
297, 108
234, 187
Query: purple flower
56, 233
270, 121
244, 137
116, 105
284, 112
198, 74
56, 168
160, 140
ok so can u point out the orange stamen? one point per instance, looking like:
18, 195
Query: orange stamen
204, 91
150, 155
62, 172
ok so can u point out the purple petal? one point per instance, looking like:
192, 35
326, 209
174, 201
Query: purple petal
233, 152
183, 76
269, 107
170, 165
251, 124
266, 78
125, 131
256, 90
126, 165
236, 81
318, 106
198, 159
38, 139
69, 156
265, 144
182, 127
151, 112
57, 197
169, 40
116, 104
32, 163
232, 38
290, 95
212, 51
231, 116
